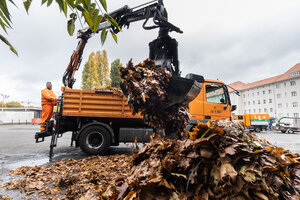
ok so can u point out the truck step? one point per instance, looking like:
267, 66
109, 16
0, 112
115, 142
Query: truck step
40, 136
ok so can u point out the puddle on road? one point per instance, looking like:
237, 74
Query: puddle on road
28, 163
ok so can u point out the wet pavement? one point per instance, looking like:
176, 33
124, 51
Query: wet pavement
18, 148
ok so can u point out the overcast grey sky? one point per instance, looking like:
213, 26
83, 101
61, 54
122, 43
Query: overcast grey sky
229, 40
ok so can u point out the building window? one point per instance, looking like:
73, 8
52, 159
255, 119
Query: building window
285, 94
248, 95
294, 94
257, 93
294, 73
295, 104
253, 102
279, 105
244, 111
264, 92
270, 100
249, 111
270, 91
287, 114
264, 101
296, 115
293, 83
244, 95
277, 86
248, 102
265, 110
244, 103
271, 109
259, 110
284, 84
278, 96
252, 94
258, 101
287, 105
254, 110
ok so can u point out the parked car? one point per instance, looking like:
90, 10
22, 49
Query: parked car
288, 125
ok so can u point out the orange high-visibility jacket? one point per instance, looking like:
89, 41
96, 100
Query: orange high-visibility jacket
48, 97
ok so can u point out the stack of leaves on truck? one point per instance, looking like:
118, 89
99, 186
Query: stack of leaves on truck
146, 85
222, 163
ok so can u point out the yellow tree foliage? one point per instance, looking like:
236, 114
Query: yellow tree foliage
96, 71
13, 104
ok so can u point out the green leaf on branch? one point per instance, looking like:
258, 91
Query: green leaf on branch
112, 21
11, 1
103, 35
71, 3
62, 6
86, 4
5, 20
88, 19
79, 7
44, 1
114, 36
49, 2
27, 4
3, 25
8, 44
4, 9
71, 24
103, 3
95, 15
97, 23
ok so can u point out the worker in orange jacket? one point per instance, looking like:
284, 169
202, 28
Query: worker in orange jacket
48, 102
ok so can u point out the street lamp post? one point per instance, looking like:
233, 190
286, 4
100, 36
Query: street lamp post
3, 99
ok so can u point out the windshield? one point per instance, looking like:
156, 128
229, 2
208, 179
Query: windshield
215, 94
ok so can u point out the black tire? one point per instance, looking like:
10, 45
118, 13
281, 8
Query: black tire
94, 140
290, 131
283, 131
257, 129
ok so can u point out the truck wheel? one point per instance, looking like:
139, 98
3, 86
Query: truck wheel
290, 131
94, 140
257, 130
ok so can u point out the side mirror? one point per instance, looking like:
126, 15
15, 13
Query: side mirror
222, 101
233, 108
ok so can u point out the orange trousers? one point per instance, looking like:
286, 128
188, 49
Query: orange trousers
47, 112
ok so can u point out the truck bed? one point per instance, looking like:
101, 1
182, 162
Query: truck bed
96, 103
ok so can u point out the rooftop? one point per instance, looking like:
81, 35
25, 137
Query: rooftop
293, 72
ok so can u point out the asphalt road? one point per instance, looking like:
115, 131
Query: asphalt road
18, 148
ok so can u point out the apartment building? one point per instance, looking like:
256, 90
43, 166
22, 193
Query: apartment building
279, 96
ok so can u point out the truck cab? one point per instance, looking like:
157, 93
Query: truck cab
212, 103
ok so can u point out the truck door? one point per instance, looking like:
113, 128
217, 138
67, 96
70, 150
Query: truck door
216, 102
197, 105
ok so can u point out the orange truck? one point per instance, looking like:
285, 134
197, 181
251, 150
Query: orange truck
102, 118
254, 122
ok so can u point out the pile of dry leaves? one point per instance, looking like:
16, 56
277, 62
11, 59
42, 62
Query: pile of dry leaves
146, 85
223, 163
72, 179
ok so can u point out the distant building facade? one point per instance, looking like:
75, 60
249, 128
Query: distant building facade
279, 96
19, 115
